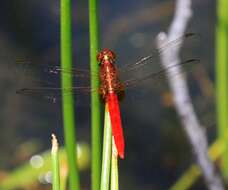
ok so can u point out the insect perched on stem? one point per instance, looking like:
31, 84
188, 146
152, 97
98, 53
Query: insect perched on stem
113, 82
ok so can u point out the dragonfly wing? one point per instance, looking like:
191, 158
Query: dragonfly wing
42, 81
157, 78
53, 94
49, 74
81, 73
154, 57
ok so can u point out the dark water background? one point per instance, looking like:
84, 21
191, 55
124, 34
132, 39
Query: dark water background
157, 152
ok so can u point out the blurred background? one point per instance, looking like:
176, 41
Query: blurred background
157, 151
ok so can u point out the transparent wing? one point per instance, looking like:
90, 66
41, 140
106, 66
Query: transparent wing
53, 94
154, 56
29, 68
156, 78
42, 81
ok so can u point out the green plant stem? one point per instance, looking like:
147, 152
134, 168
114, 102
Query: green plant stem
106, 158
55, 164
63, 183
114, 170
222, 77
95, 99
67, 99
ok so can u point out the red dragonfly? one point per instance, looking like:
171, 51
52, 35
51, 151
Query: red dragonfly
111, 86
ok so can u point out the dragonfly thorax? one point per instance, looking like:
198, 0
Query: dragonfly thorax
109, 81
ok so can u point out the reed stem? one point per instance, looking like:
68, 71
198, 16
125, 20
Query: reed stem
68, 99
107, 148
114, 170
222, 78
95, 99
55, 164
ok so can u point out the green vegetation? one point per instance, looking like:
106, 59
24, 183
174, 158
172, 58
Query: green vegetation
55, 164
222, 77
25, 175
95, 101
107, 148
68, 99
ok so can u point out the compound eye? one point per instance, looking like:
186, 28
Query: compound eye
111, 55
105, 54
100, 57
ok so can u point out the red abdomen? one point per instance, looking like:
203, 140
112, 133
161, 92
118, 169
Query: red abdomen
117, 130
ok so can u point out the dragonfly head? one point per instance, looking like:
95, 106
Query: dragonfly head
106, 55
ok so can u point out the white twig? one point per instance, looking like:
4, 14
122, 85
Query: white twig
195, 133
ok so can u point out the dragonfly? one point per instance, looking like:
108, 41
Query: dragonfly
111, 87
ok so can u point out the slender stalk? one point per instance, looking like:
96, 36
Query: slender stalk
68, 101
114, 170
95, 102
222, 77
63, 183
106, 158
55, 164
63, 176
